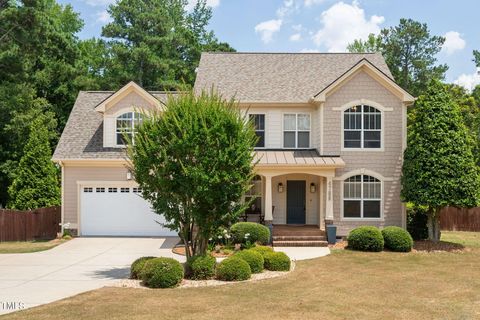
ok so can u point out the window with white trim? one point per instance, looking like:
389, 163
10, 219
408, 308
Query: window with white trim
258, 120
126, 126
88, 189
362, 197
362, 127
296, 130
100, 189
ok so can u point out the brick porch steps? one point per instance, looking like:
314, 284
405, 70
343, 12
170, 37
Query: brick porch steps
298, 236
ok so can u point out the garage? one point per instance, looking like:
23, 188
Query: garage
118, 211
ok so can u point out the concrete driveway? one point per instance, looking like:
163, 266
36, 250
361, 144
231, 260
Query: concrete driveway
80, 265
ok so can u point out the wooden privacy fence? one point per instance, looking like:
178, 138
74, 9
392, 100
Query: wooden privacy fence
460, 219
38, 224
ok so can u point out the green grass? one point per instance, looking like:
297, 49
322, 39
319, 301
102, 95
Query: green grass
28, 246
343, 285
467, 239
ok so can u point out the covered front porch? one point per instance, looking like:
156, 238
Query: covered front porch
294, 187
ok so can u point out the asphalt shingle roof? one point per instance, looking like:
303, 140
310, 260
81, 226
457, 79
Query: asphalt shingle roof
276, 77
82, 137
248, 77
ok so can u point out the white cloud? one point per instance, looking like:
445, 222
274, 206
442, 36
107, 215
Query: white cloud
309, 3
295, 37
309, 50
343, 23
103, 17
469, 81
453, 42
191, 4
297, 27
268, 28
99, 3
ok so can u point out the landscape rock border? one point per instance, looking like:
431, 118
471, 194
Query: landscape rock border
186, 283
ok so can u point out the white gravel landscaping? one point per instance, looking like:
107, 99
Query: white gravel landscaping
266, 274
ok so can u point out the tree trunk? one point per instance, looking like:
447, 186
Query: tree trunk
433, 224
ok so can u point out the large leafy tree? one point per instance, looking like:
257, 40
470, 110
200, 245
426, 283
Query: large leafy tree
439, 168
194, 164
409, 50
36, 179
157, 43
476, 57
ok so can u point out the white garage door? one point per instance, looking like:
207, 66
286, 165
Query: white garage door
118, 211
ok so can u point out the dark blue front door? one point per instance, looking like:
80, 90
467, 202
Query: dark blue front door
295, 201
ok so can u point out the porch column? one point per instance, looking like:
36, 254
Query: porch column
329, 203
268, 200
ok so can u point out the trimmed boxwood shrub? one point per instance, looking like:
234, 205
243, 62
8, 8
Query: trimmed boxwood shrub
366, 238
201, 267
257, 232
397, 239
263, 250
233, 269
277, 261
253, 258
137, 267
162, 273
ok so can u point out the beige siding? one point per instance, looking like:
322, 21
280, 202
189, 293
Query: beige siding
386, 163
74, 174
131, 102
274, 123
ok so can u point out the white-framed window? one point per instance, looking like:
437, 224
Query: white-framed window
100, 189
137, 190
362, 197
258, 121
362, 128
88, 189
124, 190
112, 190
126, 126
296, 130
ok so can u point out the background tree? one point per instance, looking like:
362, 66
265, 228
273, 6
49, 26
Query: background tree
476, 57
372, 44
158, 43
36, 179
194, 164
439, 168
409, 50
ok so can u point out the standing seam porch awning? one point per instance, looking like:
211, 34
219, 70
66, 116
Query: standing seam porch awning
307, 158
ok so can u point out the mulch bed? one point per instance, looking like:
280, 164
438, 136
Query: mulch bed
180, 250
418, 246
439, 246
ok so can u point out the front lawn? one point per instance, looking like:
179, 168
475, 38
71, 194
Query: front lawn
344, 285
28, 246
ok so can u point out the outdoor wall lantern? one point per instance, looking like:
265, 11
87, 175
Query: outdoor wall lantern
313, 187
280, 187
129, 175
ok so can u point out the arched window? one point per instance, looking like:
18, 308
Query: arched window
126, 126
362, 127
362, 197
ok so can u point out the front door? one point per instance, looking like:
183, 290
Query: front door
296, 201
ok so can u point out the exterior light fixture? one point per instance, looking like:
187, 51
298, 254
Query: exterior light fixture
313, 187
280, 187
129, 175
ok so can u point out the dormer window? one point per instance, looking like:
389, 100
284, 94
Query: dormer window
127, 125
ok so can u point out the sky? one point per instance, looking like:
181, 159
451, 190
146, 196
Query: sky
326, 25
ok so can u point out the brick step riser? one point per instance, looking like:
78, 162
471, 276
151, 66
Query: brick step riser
299, 238
300, 243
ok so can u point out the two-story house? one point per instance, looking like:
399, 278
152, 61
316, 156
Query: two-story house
331, 127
